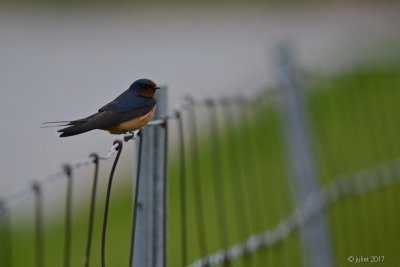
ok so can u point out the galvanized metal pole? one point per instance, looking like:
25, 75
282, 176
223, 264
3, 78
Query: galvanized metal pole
315, 235
150, 228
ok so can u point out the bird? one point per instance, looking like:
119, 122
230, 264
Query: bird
130, 111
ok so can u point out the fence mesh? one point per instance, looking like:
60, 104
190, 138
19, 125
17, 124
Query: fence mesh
230, 188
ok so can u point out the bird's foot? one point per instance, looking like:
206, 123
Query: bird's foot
130, 135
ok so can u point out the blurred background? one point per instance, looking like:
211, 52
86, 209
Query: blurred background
62, 60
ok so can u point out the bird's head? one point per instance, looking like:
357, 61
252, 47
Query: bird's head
144, 87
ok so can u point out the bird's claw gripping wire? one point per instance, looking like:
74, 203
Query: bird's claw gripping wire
130, 135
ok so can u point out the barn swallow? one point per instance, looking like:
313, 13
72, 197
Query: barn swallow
130, 111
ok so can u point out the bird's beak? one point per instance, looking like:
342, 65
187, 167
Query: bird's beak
157, 87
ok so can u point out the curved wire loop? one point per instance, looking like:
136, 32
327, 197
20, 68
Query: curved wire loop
107, 203
96, 159
135, 204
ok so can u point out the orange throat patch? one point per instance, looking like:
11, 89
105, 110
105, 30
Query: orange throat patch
148, 93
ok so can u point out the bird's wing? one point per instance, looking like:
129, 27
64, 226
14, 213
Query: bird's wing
110, 118
123, 103
138, 111
136, 107
96, 121
127, 106
106, 119
126, 101
99, 120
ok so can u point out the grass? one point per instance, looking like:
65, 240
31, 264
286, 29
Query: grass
355, 119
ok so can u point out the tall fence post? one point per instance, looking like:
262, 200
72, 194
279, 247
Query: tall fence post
315, 235
150, 227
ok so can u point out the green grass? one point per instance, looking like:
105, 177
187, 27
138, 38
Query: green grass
356, 122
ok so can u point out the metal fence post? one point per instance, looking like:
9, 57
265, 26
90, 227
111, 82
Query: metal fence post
150, 229
315, 235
